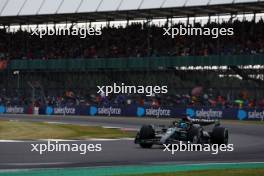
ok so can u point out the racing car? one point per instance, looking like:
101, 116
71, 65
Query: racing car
187, 129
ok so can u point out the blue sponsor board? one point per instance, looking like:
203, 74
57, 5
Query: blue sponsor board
145, 111
206, 113
111, 111
49, 110
2, 109
15, 110
250, 114
140, 111
12, 110
160, 112
105, 111
229, 113
170, 112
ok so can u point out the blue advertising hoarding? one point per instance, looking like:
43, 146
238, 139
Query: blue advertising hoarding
13, 110
144, 111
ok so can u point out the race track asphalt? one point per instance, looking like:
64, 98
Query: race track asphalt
248, 140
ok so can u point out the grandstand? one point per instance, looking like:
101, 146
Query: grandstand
45, 11
229, 68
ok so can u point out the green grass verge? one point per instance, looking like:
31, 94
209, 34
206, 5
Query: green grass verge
228, 172
18, 130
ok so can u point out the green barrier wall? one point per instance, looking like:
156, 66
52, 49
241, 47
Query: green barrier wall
134, 63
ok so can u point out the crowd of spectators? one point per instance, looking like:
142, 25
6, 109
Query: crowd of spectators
134, 40
69, 98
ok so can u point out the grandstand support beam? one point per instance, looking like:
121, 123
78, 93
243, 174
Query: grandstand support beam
245, 75
169, 21
41, 5
17, 74
209, 19
188, 20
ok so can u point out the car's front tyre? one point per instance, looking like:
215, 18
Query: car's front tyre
194, 135
146, 134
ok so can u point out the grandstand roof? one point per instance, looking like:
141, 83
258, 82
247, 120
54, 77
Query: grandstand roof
44, 11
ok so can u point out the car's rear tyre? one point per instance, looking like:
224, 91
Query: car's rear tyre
146, 132
219, 136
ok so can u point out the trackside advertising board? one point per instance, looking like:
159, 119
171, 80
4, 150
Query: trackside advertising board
13, 110
144, 111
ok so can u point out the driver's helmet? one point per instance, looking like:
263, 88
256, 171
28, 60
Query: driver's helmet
182, 124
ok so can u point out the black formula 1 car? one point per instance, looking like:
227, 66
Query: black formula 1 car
187, 129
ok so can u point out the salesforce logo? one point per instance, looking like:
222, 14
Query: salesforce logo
49, 110
153, 112
104, 111
256, 114
204, 113
92, 110
190, 112
241, 114
140, 111
64, 110
2, 109
59, 110
14, 110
